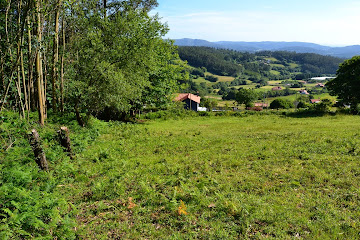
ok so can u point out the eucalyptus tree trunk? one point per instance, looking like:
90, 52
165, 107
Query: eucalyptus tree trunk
31, 89
55, 56
62, 66
27, 106
38, 66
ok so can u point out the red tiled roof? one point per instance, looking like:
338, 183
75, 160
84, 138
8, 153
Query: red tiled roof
184, 96
276, 88
314, 100
261, 104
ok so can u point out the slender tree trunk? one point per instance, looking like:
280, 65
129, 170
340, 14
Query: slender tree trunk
62, 66
27, 106
44, 79
105, 5
31, 88
55, 57
39, 79
18, 87
19, 54
2, 75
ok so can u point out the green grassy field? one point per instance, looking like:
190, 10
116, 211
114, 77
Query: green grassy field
293, 65
255, 177
277, 65
250, 176
277, 73
221, 78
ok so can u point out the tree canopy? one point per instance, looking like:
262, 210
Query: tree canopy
246, 96
346, 85
85, 57
280, 103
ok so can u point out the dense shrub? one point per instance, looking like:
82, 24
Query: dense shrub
280, 103
211, 78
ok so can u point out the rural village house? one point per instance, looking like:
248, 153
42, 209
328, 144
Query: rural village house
276, 89
304, 92
191, 101
263, 105
315, 100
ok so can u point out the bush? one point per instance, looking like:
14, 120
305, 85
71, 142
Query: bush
281, 104
211, 78
301, 105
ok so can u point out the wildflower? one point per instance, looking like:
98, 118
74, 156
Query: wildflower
182, 208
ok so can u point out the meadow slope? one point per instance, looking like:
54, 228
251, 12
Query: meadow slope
253, 177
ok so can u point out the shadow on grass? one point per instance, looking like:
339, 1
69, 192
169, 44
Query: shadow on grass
311, 114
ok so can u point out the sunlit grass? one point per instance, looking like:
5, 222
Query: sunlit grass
251, 177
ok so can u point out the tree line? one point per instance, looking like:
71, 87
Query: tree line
105, 58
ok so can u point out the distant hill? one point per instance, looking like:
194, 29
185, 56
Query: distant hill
299, 47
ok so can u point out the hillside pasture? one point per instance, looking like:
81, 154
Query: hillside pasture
274, 72
250, 177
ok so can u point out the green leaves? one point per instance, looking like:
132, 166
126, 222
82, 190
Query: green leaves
347, 83
246, 96
122, 63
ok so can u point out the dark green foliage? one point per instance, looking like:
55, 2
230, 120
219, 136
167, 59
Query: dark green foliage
280, 103
122, 63
228, 94
324, 106
346, 85
211, 78
209, 103
221, 62
198, 72
212, 59
311, 63
238, 82
285, 92
246, 96
301, 105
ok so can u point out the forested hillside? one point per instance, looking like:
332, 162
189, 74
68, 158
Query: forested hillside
229, 62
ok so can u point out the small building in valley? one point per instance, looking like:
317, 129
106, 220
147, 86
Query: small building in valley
263, 105
191, 101
304, 92
315, 100
276, 88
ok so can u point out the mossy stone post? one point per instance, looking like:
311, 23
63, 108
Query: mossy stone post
39, 153
65, 140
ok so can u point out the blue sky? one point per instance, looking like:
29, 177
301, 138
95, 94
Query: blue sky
328, 22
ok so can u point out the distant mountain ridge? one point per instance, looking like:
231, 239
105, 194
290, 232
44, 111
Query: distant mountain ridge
299, 47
